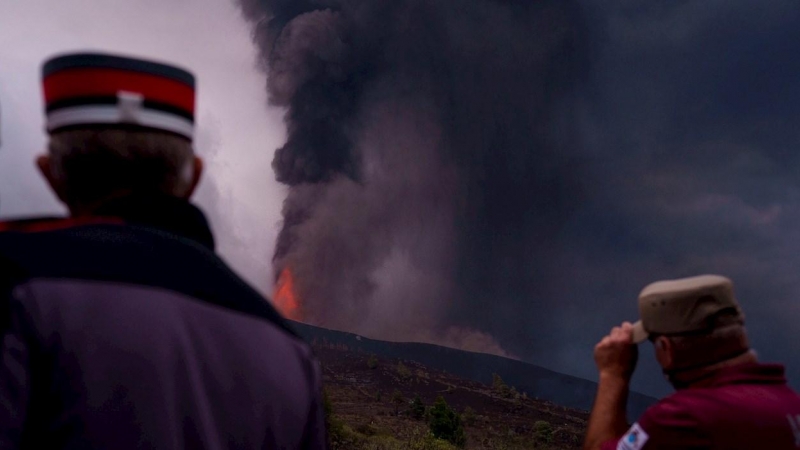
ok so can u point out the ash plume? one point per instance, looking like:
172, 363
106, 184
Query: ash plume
423, 136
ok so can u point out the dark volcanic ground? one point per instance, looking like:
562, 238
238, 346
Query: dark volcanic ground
362, 388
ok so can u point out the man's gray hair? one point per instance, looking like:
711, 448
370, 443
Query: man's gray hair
94, 163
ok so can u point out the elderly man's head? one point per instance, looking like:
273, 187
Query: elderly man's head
85, 166
691, 352
118, 126
695, 324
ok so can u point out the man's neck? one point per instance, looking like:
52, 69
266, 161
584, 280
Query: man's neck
89, 209
702, 376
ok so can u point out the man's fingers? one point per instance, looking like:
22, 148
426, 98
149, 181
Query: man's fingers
619, 335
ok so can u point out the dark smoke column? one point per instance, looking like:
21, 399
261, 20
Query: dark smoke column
429, 157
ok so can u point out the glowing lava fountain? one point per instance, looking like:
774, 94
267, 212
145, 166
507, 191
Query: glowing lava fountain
286, 300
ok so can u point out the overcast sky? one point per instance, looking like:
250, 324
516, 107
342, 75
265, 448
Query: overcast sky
237, 133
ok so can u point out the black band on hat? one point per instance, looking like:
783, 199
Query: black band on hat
97, 60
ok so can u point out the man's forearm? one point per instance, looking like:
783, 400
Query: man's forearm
607, 420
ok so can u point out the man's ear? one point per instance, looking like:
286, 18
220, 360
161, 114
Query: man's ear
197, 173
664, 352
43, 162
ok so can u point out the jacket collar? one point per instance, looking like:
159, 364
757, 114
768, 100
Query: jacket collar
162, 212
156, 211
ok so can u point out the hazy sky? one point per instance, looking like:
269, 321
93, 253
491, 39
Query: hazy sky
237, 133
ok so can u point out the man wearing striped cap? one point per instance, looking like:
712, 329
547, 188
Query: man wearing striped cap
121, 328
725, 398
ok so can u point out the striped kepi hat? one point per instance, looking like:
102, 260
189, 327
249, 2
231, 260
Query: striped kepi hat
87, 89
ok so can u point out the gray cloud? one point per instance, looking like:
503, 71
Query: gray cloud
574, 160
414, 130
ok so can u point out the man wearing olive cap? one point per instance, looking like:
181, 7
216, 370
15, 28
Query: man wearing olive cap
120, 327
725, 398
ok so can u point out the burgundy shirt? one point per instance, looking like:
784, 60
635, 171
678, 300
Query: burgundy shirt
743, 407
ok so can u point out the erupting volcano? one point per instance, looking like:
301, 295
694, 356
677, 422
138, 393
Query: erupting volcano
286, 297
428, 160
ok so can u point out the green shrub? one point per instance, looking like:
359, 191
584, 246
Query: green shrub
564, 436
543, 431
468, 416
417, 408
342, 437
427, 441
367, 429
498, 385
445, 423
403, 371
372, 362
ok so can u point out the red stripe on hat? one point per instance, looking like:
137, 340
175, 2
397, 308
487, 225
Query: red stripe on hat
93, 82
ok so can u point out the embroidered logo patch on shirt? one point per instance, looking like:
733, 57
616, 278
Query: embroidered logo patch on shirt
794, 422
634, 439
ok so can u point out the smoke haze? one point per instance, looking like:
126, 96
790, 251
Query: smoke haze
415, 127
510, 174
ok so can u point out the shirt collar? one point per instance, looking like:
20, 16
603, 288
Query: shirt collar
747, 373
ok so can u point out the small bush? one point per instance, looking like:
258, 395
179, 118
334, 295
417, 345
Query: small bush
543, 431
445, 423
367, 429
428, 441
372, 362
382, 442
342, 437
403, 371
468, 416
417, 408
564, 436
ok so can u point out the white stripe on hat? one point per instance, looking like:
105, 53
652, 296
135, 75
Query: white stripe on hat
112, 114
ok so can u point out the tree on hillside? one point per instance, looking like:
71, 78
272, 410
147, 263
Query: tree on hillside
417, 408
445, 423
397, 399
498, 384
372, 362
502, 389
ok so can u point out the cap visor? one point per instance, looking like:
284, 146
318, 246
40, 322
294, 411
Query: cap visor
639, 334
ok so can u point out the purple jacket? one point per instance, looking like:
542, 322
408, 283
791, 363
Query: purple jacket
136, 335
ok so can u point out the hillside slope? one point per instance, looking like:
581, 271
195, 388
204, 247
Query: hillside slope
537, 382
371, 400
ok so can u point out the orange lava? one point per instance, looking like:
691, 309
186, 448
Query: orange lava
285, 296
